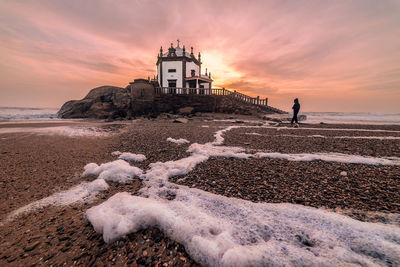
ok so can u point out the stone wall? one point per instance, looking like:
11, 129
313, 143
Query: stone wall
199, 103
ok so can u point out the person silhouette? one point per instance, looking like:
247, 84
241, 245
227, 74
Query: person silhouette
296, 109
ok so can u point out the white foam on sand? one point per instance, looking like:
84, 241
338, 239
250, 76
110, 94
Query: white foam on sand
72, 131
132, 157
344, 137
116, 171
210, 150
221, 231
79, 193
178, 141
333, 129
257, 134
317, 135
369, 137
219, 138
116, 153
334, 157
69, 131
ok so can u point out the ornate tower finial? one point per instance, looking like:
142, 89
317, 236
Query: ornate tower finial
172, 45
178, 42
191, 51
206, 71
171, 51
161, 51
184, 50
209, 75
199, 57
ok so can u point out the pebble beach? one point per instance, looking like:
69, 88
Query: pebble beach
36, 164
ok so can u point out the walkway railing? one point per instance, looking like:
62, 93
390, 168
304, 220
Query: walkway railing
211, 91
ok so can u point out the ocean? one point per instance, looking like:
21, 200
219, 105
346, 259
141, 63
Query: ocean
16, 113
352, 118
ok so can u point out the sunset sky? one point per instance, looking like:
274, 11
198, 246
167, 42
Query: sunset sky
332, 55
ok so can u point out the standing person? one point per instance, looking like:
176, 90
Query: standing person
296, 108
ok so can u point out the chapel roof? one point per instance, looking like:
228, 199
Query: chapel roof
178, 52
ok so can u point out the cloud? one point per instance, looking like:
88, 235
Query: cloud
315, 49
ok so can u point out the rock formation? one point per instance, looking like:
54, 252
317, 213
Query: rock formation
140, 98
100, 103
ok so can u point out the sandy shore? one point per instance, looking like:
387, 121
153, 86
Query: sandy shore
35, 164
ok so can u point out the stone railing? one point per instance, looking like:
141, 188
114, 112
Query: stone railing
211, 91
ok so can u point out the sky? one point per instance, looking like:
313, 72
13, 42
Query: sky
332, 55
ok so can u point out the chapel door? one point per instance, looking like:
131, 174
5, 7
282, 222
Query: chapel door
172, 86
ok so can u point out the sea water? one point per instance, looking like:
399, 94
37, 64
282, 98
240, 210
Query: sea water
352, 118
18, 113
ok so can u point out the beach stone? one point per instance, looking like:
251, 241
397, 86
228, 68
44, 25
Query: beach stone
185, 110
32, 246
180, 120
11, 259
343, 173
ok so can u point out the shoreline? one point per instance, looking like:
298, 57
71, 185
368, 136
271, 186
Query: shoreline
39, 165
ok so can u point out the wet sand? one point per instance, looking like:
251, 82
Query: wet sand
34, 166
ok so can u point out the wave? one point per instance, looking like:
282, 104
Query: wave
16, 113
359, 118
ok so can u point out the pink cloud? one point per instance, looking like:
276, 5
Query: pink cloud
333, 55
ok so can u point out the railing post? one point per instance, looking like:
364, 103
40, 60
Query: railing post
266, 101
258, 100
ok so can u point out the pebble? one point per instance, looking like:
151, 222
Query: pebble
32, 247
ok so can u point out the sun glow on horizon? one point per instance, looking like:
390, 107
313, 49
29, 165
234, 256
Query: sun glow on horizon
219, 66
275, 49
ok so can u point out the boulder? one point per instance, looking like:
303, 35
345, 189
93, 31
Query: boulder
100, 103
180, 120
185, 110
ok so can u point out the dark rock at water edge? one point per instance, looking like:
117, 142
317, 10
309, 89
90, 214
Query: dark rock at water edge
139, 98
100, 103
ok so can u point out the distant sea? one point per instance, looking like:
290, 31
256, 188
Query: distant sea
352, 118
14, 113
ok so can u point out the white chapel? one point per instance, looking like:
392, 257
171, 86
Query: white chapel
177, 68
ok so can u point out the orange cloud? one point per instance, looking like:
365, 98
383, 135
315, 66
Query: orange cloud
335, 56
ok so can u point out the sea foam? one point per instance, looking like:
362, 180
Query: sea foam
221, 231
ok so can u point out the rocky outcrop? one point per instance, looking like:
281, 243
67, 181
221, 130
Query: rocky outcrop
100, 103
141, 98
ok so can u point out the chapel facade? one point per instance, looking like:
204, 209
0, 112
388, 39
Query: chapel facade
179, 69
